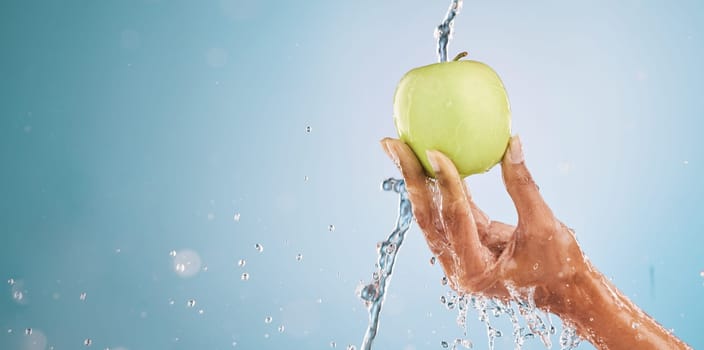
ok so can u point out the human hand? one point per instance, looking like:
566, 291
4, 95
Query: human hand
482, 256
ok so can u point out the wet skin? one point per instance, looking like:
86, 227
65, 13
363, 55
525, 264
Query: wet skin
483, 257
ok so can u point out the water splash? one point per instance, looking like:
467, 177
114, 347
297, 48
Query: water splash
569, 339
443, 32
528, 322
373, 293
526, 306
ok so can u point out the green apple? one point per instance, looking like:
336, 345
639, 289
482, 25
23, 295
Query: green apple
459, 108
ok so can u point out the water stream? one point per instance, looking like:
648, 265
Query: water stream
373, 293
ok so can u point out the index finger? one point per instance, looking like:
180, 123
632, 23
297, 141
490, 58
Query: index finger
418, 191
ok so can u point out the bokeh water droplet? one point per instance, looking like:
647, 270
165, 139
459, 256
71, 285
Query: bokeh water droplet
268, 319
308, 128
331, 228
191, 303
432, 260
172, 253
236, 217
299, 257
245, 276
87, 342
28, 331
259, 247
11, 281
281, 328
351, 347
82, 297
333, 344
186, 263
241, 263
17, 295
444, 344
443, 281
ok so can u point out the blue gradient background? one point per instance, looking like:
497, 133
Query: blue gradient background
144, 126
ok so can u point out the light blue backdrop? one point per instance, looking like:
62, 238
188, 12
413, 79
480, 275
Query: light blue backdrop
129, 129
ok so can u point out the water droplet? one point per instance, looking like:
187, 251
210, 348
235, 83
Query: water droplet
299, 257
333, 344
281, 328
701, 274
443, 281
259, 247
432, 260
245, 276
191, 303
266, 335
234, 343
241, 263
171, 302
87, 342
370, 292
172, 253
82, 297
635, 325
308, 129
28, 331
201, 311
305, 178
11, 281
331, 228
180, 268
18, 295
268, 319
535, 266
9, 330
236, 217
444, 344
443, 300
391, 248
351, 347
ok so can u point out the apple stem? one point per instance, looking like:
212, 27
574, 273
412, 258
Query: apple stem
460, 55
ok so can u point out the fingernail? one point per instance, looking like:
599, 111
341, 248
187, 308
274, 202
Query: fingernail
432, 159
515, 151
385, 144
391, 151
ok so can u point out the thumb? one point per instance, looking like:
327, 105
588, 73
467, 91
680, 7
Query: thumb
520, 185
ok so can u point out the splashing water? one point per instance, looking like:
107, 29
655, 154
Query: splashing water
373, 293
522, 304
444, 31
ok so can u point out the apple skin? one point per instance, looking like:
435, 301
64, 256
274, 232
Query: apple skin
459, 108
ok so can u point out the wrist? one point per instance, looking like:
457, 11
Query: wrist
605, 317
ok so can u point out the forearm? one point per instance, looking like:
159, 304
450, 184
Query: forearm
606, 318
